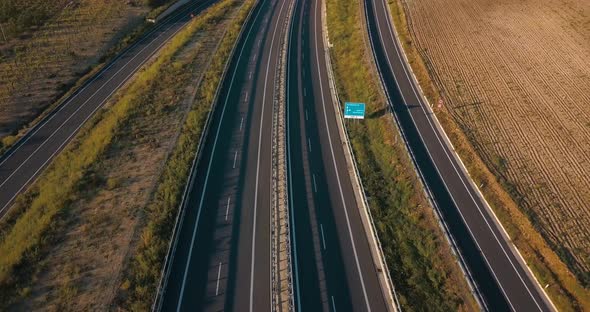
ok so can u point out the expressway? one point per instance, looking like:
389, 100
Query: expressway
333, 268
500, 274
222, 255
25, 161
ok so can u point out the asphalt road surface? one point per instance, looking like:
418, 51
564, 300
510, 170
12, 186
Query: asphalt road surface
333, 266
504, 281
222, 260
23, 163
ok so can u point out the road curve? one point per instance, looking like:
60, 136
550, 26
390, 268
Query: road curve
222, 258
502, 277
25, 161
333, 266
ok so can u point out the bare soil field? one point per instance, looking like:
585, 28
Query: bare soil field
40, 63
515, 76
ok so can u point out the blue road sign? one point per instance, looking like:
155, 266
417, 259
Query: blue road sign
354, 110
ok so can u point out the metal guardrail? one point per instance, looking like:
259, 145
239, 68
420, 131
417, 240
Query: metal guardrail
394, 301
157, 305
280, 215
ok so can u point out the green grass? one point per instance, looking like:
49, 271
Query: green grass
36, 218
141, 279
422, 267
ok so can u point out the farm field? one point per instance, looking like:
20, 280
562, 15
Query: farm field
515, 77
47, 46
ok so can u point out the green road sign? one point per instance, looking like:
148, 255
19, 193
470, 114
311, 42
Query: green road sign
354, 110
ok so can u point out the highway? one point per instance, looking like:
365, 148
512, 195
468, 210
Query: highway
503, 280
222, 258
332, 264
25, 161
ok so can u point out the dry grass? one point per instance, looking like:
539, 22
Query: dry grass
39, 64
515, 79
79, 260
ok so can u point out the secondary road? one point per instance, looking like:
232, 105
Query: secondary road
333, 266
23, 163
500, 274
222, 260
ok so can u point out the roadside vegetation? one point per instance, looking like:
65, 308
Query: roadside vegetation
37, 221
143, 274
49, 48
567, 291
18, 16
420, 261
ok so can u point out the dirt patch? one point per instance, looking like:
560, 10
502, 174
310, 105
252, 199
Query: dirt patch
43, 63
515, 76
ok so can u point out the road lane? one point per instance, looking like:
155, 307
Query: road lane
223, 257
335, 257
23, 163
503, 279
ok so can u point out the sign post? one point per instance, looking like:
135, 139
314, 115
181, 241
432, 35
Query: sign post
354, 110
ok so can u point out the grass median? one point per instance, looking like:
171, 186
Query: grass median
422, 267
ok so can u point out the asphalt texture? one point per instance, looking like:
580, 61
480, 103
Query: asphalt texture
26, 160
333, 266
502, 278
222, 260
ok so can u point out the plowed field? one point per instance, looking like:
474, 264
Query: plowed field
515, 75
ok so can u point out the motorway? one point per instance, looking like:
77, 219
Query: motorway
332, 264
222, 259
503, 280
25, 161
